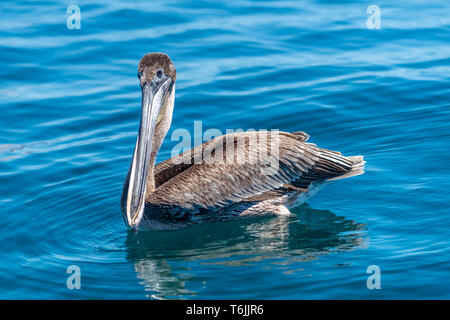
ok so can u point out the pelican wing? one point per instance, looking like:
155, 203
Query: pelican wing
231, 168
170, 168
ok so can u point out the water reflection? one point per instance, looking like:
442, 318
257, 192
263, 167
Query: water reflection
166, 261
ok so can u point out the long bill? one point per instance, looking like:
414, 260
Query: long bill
153, 96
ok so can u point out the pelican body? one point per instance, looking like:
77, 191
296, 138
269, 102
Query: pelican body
234, 182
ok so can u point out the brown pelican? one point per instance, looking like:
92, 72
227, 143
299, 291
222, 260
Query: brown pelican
234, 177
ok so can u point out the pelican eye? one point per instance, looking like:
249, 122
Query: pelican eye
159, 73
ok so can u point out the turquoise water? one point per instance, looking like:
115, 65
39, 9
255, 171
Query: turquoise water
70, 103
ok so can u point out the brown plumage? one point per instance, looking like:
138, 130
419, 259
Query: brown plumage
151, 63
230, 175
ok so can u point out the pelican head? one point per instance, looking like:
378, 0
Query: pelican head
157, 76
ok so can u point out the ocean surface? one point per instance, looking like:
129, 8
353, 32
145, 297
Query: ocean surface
70, 105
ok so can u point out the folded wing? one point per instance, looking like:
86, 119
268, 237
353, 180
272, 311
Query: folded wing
239, 166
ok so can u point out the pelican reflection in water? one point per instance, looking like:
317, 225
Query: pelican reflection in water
180, 191
169, 265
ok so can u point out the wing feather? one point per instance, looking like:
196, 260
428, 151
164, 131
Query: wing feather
213, 185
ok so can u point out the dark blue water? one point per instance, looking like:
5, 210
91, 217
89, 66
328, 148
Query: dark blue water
70, 103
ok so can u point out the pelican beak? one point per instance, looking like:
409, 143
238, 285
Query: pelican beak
153, 99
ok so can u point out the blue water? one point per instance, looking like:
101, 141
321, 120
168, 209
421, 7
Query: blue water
70, 104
